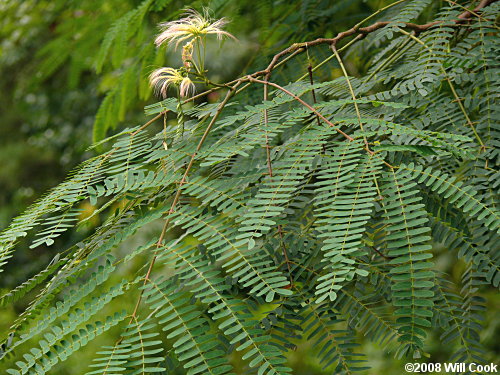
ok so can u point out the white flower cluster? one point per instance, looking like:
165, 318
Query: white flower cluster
190, 29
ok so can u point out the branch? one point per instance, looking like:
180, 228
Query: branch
183, 102
251, 79
363, 31
179, 190
452, 87
347, 136
380, 253
353, 95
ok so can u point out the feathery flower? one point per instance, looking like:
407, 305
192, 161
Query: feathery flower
193, 25
186, 88
162, 78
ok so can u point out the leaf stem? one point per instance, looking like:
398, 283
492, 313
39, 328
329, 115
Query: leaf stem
285, 254
353, 95
178, 193
452, 87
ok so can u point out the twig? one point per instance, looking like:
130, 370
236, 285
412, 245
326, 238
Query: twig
251, 79
360, 32
452, 87
471, 11
358, 114
162, 113
379, 253
363, 31
178, 193
468, 13
345, 46
311, 81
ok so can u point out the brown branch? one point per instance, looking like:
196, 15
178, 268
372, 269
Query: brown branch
191, 161
380, 253
363, 31
178, 193
469, 13
251, 79
472, 11
311, 80
150, 121
347, 136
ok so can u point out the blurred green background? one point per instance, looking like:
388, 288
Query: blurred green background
55, 78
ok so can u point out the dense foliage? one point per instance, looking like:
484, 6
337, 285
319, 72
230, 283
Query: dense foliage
305, 201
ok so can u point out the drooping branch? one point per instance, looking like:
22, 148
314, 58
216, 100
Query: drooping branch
251, 79
361, 32
177, 196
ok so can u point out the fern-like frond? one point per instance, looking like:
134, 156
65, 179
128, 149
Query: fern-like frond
52, 349
335, 344
233, 316
137, 352
407, 241
180, 317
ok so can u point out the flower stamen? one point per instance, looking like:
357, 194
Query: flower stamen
193, 25
161, 79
